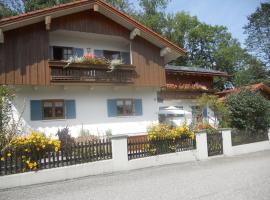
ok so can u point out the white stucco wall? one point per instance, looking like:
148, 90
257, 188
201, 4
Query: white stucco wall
91, 109
84, 40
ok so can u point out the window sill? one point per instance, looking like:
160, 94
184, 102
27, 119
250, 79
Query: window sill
129, 116
52, 120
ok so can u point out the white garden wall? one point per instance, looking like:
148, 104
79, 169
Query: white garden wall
152, 161
249, 148
56, 174
230, 150
91, 109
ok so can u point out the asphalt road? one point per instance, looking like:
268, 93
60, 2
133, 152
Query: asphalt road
237, 178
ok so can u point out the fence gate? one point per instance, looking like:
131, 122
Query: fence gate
214, 144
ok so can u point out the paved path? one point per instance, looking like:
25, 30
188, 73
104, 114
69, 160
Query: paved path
238, 178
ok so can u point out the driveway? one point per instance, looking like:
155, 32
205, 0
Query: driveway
236, 178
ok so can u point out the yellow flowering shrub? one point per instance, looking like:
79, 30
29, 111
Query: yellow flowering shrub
163, 131
165, 139
33, 145
158, 131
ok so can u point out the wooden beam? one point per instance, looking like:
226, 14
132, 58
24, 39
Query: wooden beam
164, 51
1, 36
48, 20
134, 33
96, 8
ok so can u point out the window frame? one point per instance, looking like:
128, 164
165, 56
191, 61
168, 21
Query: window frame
67, 54
62, 51
119, 54
53, 101
126, 114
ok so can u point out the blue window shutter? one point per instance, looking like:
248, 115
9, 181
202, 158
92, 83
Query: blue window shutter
70, 109
98, 53
36, 112
138, 107
112, 108
125, 57
78, 52
205, 114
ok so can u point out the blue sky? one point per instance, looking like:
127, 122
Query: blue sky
230, 13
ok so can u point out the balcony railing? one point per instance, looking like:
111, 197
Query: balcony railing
187, 93
77, 72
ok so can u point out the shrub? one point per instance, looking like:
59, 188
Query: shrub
165, 139
249, 111
65, 137
217, 106
8, 129
85, 136
32, 146
164, 131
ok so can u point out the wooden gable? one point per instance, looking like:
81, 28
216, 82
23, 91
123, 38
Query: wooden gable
24, 55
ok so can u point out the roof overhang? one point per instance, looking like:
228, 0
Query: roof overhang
196, 73
256, 87
173, 51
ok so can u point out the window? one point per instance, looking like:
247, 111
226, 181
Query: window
196, 115
125, 56
53, 109
125, 107
67, 52
88, 50
63, 53
111, 54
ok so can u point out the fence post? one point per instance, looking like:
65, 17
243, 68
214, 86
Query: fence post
227, 141
201, 145
119, 152
269, 134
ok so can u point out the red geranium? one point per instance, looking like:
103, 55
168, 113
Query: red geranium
89, 55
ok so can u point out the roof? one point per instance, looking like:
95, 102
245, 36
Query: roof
195, 70
255, 87
80, 5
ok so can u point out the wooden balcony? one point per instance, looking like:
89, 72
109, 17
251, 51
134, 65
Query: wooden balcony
83, 73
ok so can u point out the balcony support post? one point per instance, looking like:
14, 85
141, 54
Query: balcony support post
96, 8
1, 36
134, 33
48, 20
165, 51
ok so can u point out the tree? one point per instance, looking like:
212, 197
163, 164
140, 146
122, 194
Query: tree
153, 14
207, 46
249, 111
10, 7
31, 5
178, 27
123, 5
253, 72
258, 32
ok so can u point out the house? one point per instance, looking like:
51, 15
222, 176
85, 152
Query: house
262, 88
178, 100
54, 90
